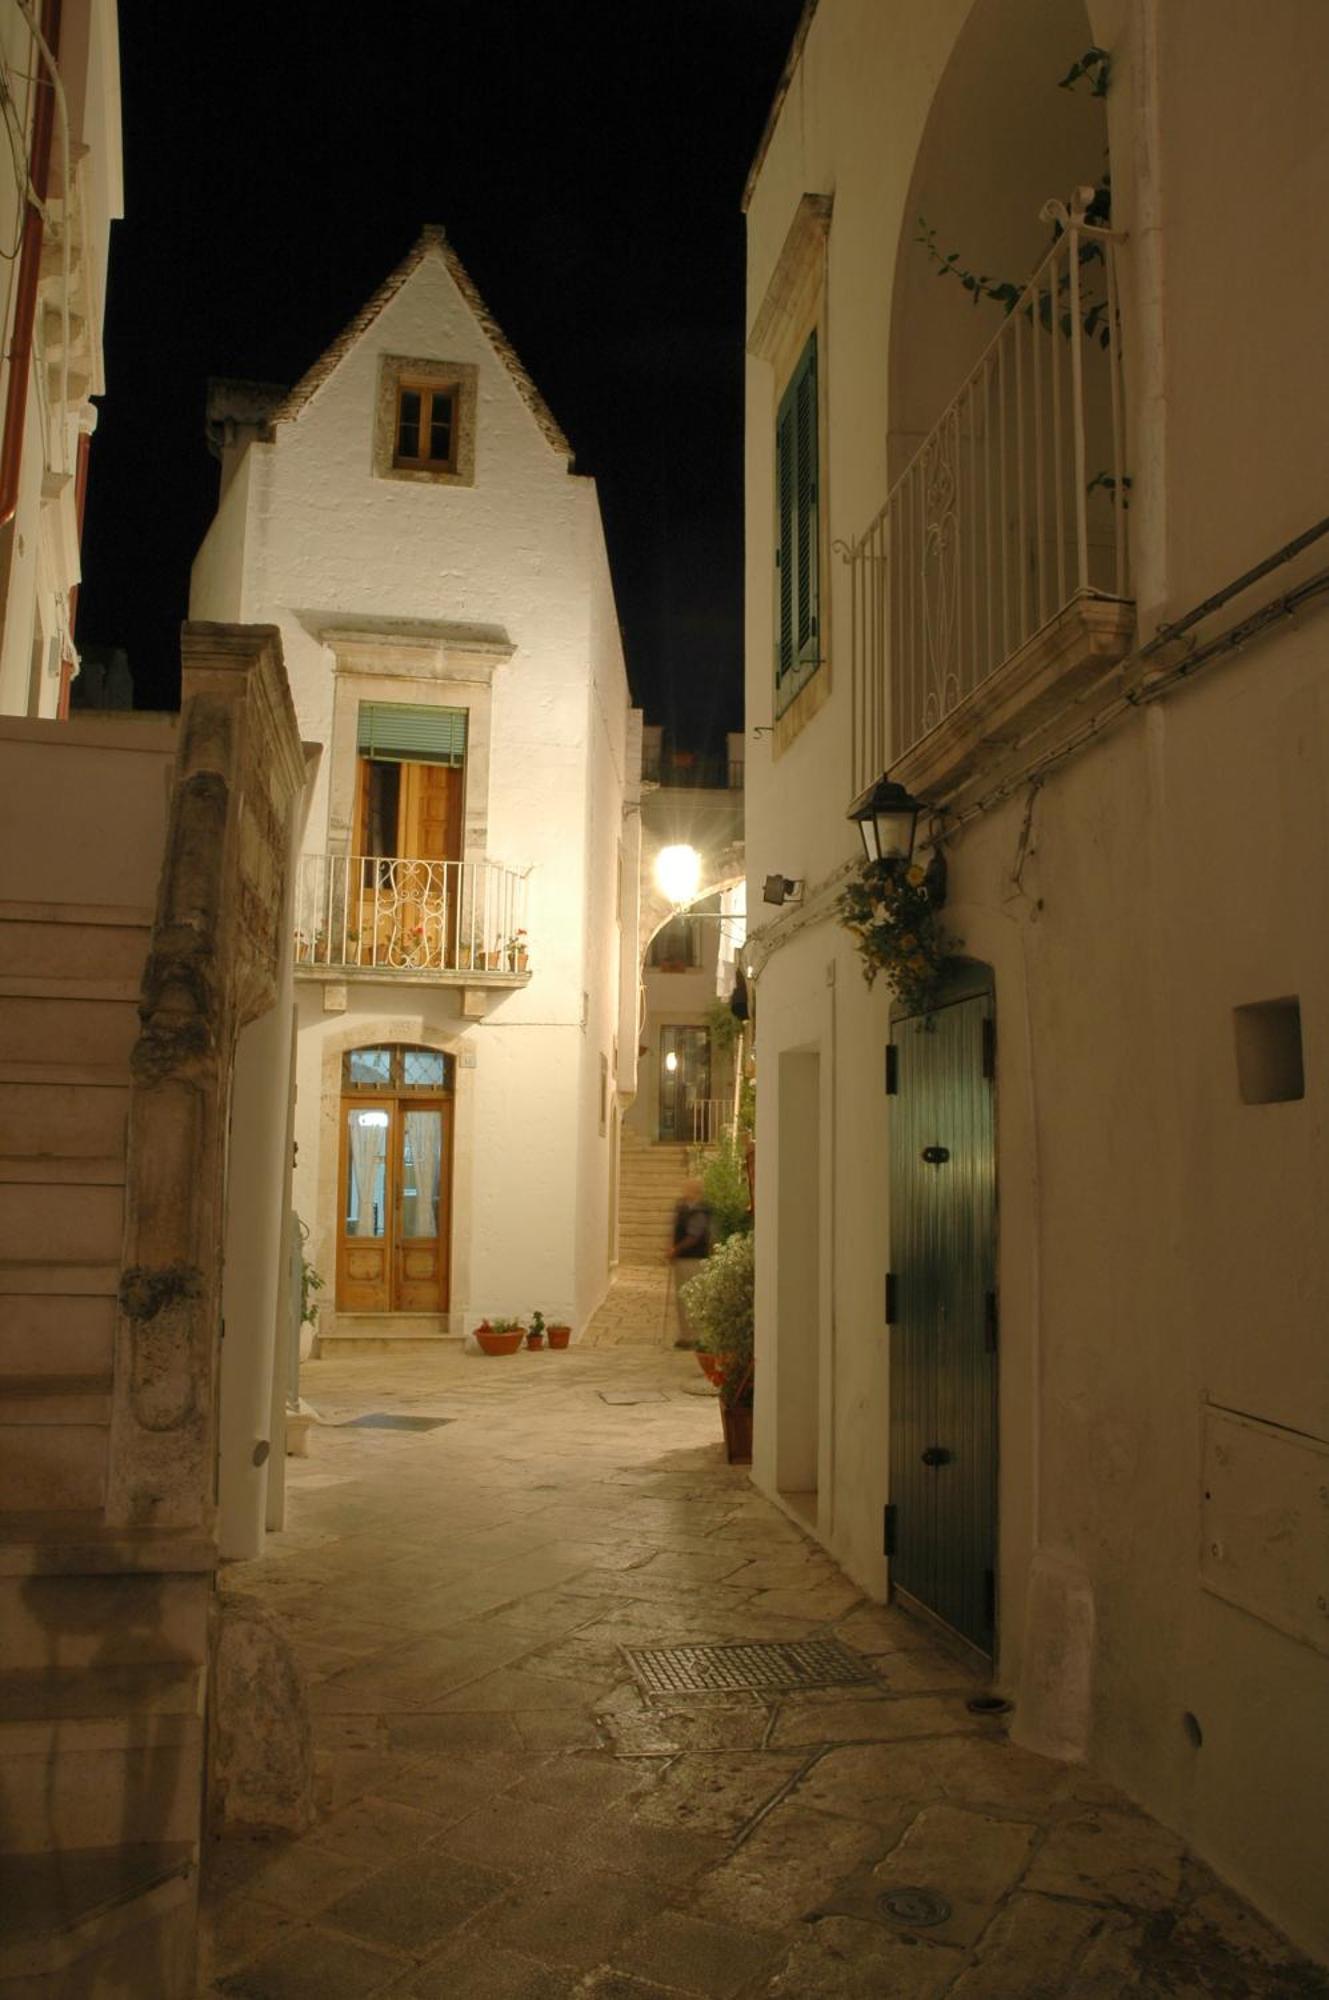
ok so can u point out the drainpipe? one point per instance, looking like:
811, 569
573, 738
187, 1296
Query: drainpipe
29, 270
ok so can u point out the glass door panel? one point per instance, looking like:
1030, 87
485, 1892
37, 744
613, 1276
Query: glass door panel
685, 1078
422, 1142
363, 1272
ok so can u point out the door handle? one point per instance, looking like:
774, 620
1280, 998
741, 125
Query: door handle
937, 1454
936, 1156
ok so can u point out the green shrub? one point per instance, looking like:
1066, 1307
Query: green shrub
724, 1188
718, 1302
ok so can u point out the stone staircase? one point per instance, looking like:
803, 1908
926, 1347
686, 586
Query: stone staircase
103, 1630
651, 1175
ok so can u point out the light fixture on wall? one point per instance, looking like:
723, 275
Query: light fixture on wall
886, 816
781, 889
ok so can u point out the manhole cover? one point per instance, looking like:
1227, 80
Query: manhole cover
793, 1664
919, 1909
384, 1420
626, 1396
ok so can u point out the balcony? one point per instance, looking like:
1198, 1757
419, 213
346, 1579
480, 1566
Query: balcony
992, 591
390, 916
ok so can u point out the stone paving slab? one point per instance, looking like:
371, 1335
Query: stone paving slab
505, 1814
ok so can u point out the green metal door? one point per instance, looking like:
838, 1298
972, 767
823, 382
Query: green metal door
942, 1308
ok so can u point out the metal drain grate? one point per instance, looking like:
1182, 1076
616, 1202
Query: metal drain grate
383, 1420
797, 1663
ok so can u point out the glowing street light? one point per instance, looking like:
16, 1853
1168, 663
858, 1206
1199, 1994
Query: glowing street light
678, 874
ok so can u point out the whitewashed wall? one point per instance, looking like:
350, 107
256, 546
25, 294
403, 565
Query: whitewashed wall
1160, 1253
310, 539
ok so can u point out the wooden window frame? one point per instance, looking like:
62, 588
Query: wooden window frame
429, 393
458, 380
798, 651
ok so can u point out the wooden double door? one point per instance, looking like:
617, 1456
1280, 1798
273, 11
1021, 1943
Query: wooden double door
395, 1181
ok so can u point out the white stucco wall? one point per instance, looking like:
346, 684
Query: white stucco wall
39, 548
310, 539
1159, 1257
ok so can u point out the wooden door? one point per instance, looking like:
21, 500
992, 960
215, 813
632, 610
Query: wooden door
423, 1148
395, 1225
943, 1446
685, 1078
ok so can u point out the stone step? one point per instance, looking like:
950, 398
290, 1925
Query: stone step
55, 1399
59, 1223
62, 1169
52, 1468
67, 1121
108, 1621
67, 1336
93, 1029
129, 1778
67, 1279
35, 1698
35, 947
89, 1920
337, 1346
72, 1543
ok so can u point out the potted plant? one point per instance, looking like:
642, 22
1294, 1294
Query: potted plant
719, 1305
501, 1336
535, 1332
518, 957
557, 1334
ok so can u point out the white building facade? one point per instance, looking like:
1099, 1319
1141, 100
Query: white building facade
60, 188
465, 905
1041, 1288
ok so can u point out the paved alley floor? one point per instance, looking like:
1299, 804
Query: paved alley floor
505, 1814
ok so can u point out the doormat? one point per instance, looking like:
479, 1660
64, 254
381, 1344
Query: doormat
795, 1663
383, 1420
624, 1396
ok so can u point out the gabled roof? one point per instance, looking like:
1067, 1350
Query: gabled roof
431, 240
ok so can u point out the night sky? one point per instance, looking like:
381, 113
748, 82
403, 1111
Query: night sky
587, 159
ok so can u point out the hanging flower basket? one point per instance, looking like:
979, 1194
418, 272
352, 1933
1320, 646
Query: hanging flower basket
893, 913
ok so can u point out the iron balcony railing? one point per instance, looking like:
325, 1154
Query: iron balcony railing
1012, 508
712, 1120
394, 914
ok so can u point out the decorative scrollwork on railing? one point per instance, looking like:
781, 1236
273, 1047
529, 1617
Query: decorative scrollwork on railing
403, 914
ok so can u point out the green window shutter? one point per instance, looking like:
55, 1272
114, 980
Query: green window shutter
796, 479
402, 733
806, 434
785, 558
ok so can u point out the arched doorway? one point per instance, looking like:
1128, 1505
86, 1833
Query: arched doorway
395, 1180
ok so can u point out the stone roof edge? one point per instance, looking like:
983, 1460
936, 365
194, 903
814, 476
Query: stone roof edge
431, 237
777, 102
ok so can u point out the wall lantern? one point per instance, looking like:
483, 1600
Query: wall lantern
886, 816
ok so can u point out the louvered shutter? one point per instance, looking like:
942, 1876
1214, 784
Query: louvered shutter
404, 733
797, 649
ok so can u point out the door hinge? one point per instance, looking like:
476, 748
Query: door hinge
990, 1322
989, 1047
892, 1069
989, 1598
890, 1298
888, 1531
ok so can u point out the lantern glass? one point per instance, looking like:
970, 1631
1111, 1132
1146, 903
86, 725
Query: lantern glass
886, 817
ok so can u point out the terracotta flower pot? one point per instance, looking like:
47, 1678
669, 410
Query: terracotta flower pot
535, 1341
559, 1336
497, 1343
712, 1367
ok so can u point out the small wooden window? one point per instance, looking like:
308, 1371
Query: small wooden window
426, 435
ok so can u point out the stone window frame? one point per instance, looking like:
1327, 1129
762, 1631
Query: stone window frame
398, 371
